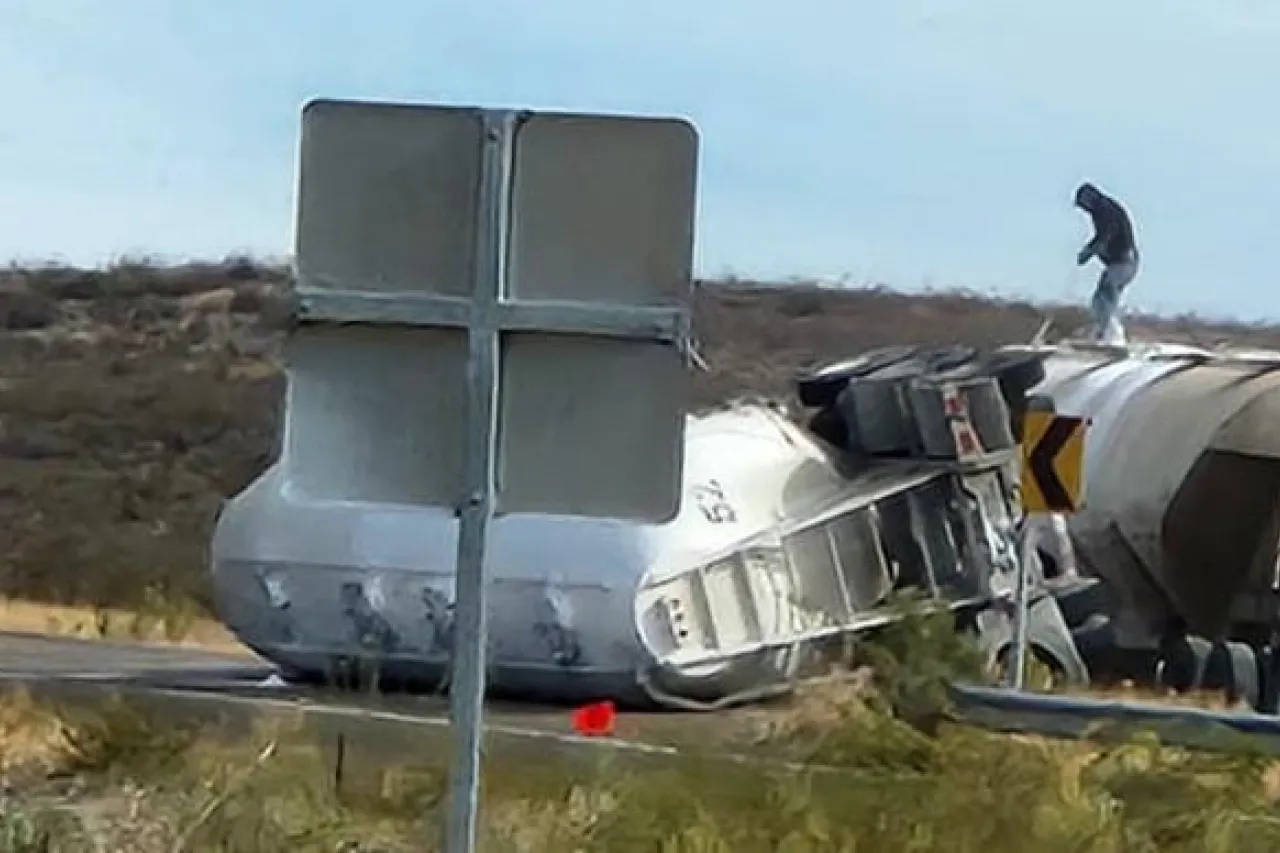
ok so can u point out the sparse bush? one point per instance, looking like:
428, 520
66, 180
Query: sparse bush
914, 659
22, 310
37, 830
120, 736
61, 283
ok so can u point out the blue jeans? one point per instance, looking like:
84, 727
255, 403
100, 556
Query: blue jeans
1105, 305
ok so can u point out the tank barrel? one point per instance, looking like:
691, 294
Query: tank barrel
1182, 466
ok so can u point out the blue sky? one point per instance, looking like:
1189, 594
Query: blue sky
913, 142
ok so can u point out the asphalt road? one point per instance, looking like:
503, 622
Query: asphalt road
35, 658
40, 656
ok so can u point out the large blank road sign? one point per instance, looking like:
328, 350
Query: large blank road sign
563, 241
495, 309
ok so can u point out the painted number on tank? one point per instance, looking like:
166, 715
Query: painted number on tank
713, 504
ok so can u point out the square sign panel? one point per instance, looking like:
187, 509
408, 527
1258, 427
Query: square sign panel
591, 426
603, 210
376, 413
387, 197
602, 213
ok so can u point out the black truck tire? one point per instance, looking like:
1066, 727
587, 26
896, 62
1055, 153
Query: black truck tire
822, 385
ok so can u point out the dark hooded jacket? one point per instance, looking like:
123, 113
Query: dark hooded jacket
1113, 231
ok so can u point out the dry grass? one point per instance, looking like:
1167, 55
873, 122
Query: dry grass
107, 623
125, 778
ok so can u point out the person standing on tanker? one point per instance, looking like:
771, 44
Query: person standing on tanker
1113, 244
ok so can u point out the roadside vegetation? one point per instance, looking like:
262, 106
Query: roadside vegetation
888, 772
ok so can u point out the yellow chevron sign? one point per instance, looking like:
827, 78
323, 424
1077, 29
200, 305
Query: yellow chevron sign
1052, 462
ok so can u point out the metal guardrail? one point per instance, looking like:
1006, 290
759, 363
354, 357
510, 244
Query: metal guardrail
1004, 710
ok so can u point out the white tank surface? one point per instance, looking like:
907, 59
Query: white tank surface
1182, 480
779, 544
307, 582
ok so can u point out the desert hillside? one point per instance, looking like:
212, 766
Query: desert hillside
133, 399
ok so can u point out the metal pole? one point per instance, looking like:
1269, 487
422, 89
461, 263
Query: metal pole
470, 660
1022, 594
1066, 551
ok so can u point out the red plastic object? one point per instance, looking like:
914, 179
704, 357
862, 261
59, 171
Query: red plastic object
595, 719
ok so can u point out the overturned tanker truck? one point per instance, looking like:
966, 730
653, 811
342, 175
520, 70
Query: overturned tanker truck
788, 537
1181, 521
1169, 575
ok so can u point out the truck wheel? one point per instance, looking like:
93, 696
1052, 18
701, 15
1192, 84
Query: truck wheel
1183, 663
829, 425
1233, 669
945, 359
821, 386
1017, 372
1269, 699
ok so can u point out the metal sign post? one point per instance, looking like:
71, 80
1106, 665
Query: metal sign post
1021, 602
466, 694
495, 311
1052, 481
